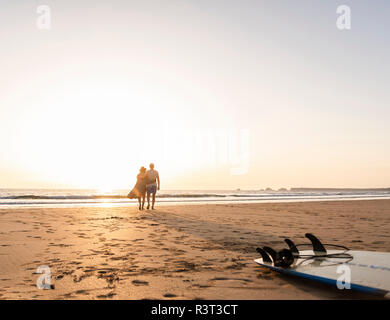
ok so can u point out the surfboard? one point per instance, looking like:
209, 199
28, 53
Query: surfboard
364, 271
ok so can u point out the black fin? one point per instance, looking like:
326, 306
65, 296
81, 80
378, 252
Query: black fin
292, 246
318, 248
272, 253
264, 255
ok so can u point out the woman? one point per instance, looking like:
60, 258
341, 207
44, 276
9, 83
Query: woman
139, 189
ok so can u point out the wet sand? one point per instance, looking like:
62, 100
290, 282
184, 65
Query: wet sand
177, 252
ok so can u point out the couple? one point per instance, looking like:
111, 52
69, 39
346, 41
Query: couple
147, 182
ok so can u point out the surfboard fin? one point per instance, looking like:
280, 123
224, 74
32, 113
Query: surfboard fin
292, 246
272, 253
318, 247
264, 255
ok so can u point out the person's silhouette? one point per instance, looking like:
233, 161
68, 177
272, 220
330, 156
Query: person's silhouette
153, 184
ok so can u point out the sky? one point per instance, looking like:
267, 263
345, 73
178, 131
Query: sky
218, 94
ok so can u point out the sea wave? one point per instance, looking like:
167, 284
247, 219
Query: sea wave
111, 196
27, 197
188, 195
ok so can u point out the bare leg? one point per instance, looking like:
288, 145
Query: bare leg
139, 203
143, 201
148, 201
153, 200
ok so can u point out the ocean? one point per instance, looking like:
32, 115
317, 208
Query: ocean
15, 198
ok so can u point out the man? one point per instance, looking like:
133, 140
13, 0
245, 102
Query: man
152, 187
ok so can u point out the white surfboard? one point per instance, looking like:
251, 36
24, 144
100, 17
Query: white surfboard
364, 271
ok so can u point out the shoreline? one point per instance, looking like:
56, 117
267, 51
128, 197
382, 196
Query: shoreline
105, 204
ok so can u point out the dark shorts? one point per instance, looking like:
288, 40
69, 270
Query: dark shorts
151, 189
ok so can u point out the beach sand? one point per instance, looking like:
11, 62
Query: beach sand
177, 252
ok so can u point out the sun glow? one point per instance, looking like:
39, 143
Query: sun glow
88, 103
105, 190
100, 136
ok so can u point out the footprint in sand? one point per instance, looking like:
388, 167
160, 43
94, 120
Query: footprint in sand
108, 295
265, 277
200, 286
236, 279
82, 292
140, 283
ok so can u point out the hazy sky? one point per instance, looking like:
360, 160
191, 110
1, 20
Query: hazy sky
114, 85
